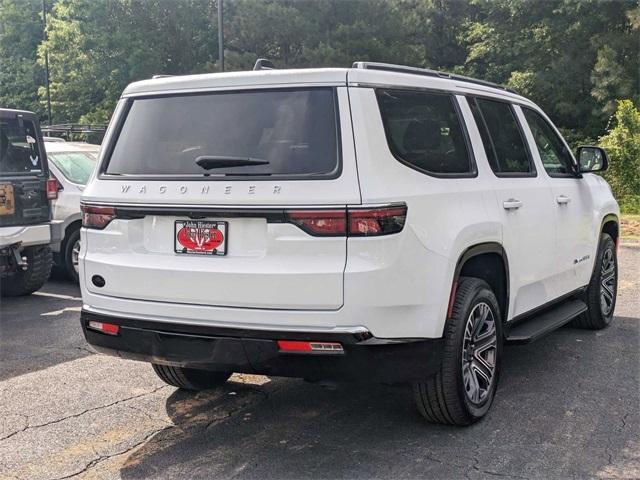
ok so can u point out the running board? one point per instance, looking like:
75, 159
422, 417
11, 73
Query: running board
540, 325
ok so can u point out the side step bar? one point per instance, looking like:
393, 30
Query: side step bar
544, 323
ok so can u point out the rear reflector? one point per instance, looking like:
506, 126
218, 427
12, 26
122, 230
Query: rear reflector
97, 217
53, 187
294, 346
108, 328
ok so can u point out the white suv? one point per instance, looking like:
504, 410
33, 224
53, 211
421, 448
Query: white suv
378, 223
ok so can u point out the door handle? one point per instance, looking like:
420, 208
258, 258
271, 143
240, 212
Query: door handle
511, 204
563, 199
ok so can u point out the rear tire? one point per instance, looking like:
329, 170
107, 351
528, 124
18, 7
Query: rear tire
190, 378
600, 296
462, 391
25, 282
69, 255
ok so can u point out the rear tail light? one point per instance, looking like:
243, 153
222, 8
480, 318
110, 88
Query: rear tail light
354, 222
108, 328
97, 217
321, 223
53, 187
295, 346
364, 222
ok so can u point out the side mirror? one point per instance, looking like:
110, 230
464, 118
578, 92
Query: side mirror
592, 159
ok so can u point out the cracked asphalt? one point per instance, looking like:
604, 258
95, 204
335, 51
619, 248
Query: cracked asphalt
568, 407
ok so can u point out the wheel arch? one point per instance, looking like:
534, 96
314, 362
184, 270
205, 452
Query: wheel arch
611, 225
70, 227
487, 261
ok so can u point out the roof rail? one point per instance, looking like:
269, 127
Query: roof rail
389, 67
74, 128
264, 64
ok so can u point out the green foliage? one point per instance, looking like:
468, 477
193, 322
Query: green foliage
97, 48
20, 34
630, 204
622, 143
575, 58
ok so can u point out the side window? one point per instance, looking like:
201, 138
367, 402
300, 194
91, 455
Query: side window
502, 138
424, 131
556, 158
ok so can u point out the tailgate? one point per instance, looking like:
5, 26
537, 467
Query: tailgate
220, 237
23, 171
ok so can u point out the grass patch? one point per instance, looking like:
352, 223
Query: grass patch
630, 226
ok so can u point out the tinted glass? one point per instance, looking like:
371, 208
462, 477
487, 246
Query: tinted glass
293, 131
19, 150
501, 136
75, 166
555, 156
424, 130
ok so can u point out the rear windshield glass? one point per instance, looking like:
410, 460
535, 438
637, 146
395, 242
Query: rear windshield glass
75, 166
254, 133
19, 149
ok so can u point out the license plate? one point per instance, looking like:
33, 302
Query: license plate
7, 201
198, 237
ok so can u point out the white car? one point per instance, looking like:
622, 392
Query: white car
377, 223
71, 164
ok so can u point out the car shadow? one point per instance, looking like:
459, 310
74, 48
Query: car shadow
567, 407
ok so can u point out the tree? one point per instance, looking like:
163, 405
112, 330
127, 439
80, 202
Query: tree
548, 51
574, 58
622, 142
97, 48
21, 31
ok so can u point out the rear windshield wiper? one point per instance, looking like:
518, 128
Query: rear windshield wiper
209, 162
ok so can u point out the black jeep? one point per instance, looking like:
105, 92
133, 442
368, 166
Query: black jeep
26, 229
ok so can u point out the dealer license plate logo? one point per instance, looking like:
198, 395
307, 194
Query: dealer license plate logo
200, 237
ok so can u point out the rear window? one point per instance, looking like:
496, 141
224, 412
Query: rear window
75, 166
19, 147
266, 133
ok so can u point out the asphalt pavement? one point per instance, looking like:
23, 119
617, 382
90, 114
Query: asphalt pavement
568, 406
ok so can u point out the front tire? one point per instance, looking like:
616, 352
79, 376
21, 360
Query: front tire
462, 392
25, 282
70, 255
603, 286
190, 378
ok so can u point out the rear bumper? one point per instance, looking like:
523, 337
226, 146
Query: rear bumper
29, 235
56, 231
26, 235
365, 357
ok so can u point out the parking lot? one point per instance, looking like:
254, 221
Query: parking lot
568, 407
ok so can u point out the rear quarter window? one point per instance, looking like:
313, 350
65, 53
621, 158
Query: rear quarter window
258, 133
424, 131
